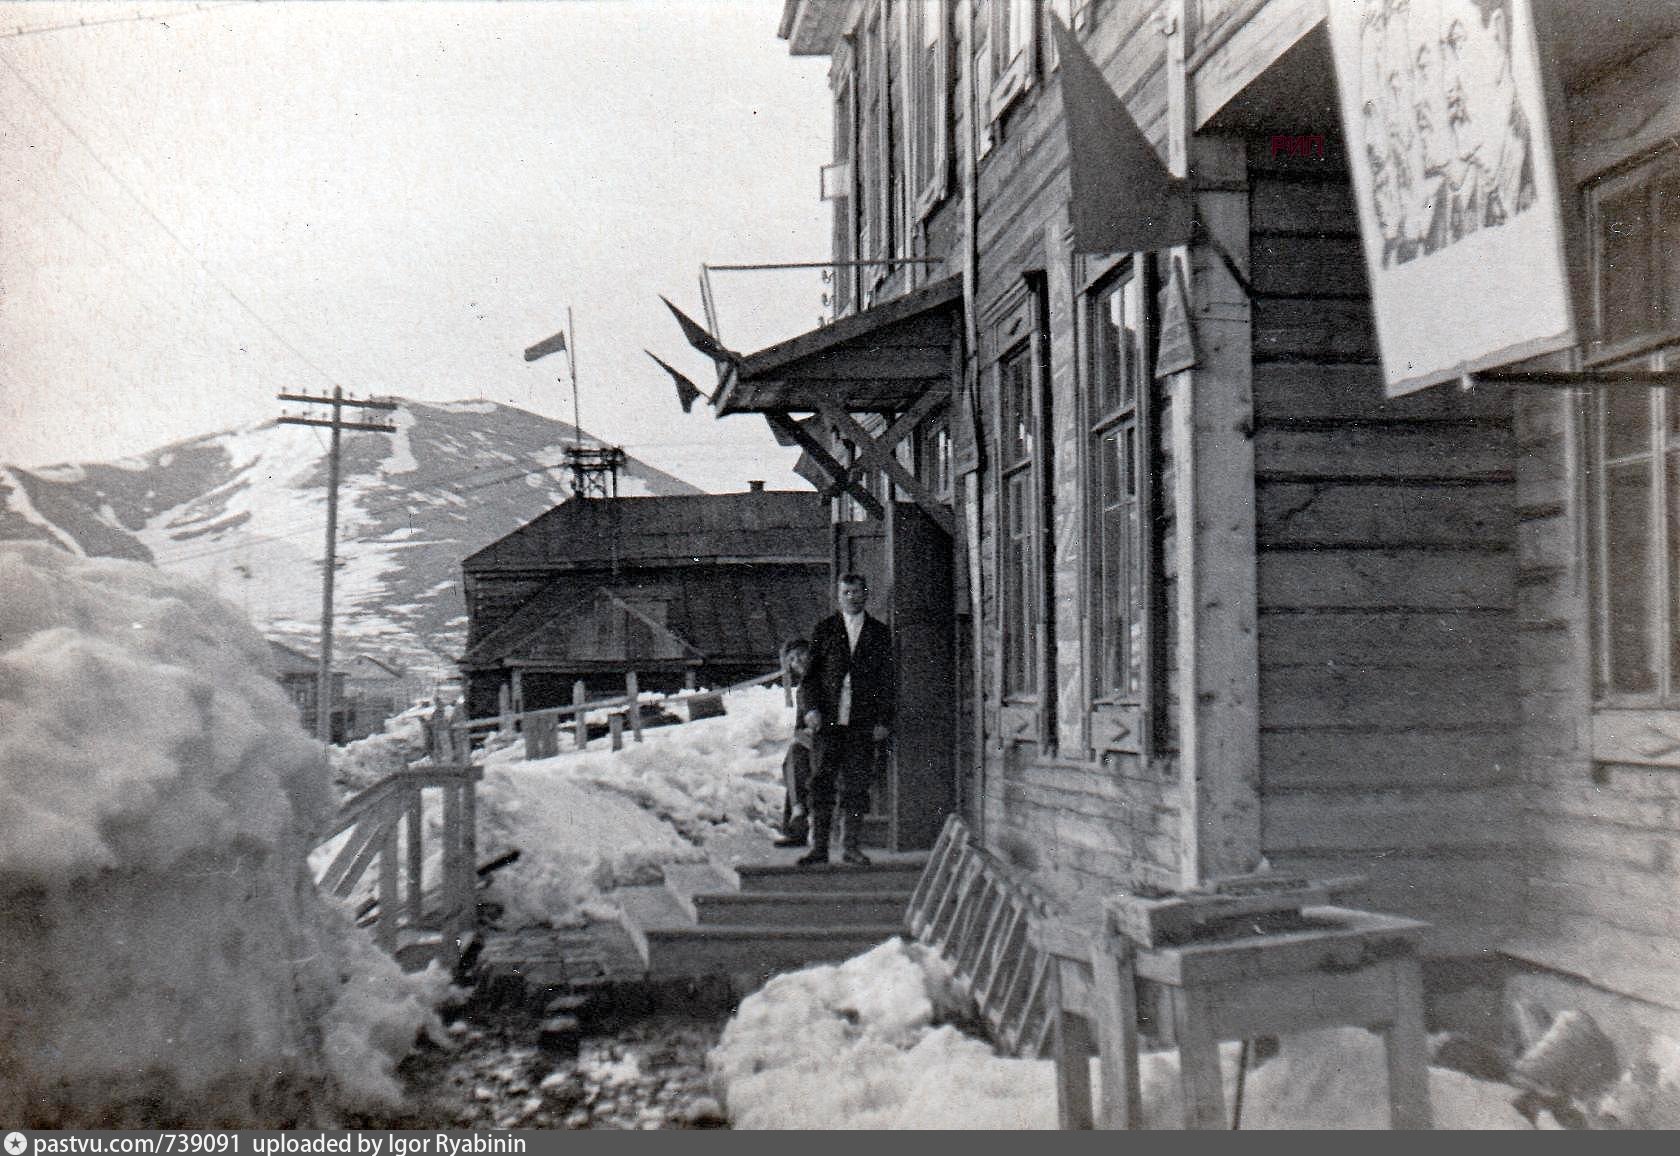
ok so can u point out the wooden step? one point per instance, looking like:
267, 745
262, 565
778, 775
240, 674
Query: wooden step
672, 944
889, 871
686, 880
723, 949
800, 908
642, 909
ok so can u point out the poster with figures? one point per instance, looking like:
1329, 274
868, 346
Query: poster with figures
1444, 107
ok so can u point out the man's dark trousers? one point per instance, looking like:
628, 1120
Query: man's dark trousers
844, 767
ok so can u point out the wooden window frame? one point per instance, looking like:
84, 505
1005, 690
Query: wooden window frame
843, 82
928, 101
1010, 78
1655, 346
1018, 328
1098, 421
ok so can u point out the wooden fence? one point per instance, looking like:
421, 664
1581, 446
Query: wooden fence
541, 728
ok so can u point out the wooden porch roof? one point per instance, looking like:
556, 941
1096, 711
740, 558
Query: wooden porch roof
877, 361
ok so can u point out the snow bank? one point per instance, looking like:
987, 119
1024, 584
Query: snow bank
166, 958
588, 821
860, 1045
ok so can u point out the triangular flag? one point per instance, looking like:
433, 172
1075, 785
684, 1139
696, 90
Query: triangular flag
687, 391
700, 339
1124, 200
548, 345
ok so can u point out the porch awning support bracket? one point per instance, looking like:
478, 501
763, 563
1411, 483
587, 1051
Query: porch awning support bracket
877, 453
843, 483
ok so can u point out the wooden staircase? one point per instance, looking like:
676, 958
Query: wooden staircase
757, 919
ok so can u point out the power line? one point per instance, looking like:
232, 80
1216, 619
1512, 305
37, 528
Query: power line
159, 221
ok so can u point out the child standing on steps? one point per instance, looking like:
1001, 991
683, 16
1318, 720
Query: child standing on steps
796, 764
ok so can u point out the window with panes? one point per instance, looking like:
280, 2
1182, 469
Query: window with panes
1634, 438
1013, 32
1116, 394
845, 220
1016, 376
929, 115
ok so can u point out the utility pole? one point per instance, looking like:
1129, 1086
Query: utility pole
323, 685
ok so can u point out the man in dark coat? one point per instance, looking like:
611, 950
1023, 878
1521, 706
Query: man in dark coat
847, 700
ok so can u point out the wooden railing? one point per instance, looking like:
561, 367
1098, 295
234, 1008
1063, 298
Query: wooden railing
387, 823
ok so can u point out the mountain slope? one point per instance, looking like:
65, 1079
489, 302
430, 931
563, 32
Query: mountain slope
244, 512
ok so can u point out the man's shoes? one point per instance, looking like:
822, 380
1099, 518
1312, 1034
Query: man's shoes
814, 857
792, 840
854, 857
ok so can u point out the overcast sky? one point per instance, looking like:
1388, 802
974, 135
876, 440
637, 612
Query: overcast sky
406, 195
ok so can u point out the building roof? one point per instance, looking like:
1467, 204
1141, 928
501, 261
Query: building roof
880, 359
711, 613
391, 670
584, 533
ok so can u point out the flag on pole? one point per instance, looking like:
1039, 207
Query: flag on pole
548, 345
699, 338
687, 391
1124, 199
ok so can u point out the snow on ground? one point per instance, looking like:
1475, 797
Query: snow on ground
588, 821
166, 957
861, 1045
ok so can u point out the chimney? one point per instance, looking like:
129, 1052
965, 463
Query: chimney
756, 486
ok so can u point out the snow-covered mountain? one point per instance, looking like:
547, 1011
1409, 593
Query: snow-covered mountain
244, 512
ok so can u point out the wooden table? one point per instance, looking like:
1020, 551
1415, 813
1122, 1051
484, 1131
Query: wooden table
1347, 968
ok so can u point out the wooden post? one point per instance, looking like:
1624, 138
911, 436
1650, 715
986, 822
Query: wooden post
469, 848
1114, 1000
787, 681
533, 731
1408, 1052
580, 723
615, 730
1072, 1049
385, 931
453, 911
1200, 1080
518, 695
633, 692
416, 858
504, 710
690, 680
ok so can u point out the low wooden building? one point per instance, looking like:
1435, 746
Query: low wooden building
299, 676
687, 590
1210, 596
375, 689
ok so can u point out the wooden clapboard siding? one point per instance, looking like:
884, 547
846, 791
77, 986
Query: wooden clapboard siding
1385, 535
1082, 824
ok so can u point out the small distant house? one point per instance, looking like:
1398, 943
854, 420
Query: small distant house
694, 589
374, 690
299, 675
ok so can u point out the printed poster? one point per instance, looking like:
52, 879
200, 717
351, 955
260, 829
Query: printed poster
1459, 207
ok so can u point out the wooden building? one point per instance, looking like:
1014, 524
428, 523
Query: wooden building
687, 590
1210, 596
299, 676
375, 689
